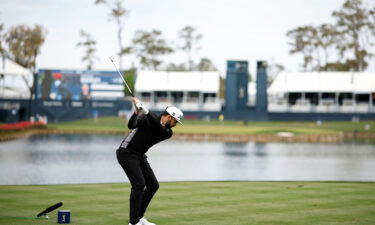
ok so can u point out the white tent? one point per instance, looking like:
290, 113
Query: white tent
148, 81
322, 92
12, 79
190, 91
334, 82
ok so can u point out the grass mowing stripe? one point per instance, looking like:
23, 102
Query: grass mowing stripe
200, 203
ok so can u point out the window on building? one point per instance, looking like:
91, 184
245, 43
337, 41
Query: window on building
209, 97
345, 98
146, 96
312, 97
293, 97
192, 96
328, 98
160, 96
177, 96
362, 98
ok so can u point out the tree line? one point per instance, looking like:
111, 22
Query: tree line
22, 44
148, 47
344, 45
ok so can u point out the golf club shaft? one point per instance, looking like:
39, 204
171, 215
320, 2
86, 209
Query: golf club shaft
50, 209
130, 91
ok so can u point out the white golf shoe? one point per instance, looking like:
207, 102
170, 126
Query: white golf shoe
139, 223
143, 221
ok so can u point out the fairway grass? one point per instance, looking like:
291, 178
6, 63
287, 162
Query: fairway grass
198, 203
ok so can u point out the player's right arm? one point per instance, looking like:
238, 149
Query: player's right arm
138, 118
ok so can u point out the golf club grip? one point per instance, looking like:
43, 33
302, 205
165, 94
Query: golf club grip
51, 208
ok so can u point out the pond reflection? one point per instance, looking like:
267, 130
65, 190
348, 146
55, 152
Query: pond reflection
55, 159
235, 149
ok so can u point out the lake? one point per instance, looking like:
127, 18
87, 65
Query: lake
71, 158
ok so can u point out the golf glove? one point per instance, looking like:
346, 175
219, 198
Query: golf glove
141, 107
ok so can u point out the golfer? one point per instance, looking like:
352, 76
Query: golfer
147, 130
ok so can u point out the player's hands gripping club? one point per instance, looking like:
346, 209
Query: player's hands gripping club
139, 106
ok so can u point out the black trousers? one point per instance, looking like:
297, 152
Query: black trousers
142, 179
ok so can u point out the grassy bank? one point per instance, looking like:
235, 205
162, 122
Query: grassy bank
199, 203
20, 129
115, 124
227, 131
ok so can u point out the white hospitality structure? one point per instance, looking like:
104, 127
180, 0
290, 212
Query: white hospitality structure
13, 78
190, 91
325, 92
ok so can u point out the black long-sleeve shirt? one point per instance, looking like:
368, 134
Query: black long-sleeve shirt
146, 131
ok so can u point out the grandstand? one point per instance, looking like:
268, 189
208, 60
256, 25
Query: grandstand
190, 91
323, 92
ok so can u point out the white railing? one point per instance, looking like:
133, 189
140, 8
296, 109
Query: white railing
278, 108
326, 108
184, 106
301, 108
214, 106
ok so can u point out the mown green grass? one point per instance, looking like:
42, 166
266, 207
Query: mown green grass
102, 124
116, 124
199, 203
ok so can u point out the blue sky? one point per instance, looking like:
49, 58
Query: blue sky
232, 29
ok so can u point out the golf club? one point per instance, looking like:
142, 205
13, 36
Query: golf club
130, 91
49, 209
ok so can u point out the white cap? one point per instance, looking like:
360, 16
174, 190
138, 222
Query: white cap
175, 112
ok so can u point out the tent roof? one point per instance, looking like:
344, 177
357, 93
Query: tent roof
177, 81
9, 67
357, 82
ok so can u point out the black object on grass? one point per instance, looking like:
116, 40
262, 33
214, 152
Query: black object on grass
49, 209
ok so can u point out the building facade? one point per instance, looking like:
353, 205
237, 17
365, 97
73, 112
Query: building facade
190, 91
323, 92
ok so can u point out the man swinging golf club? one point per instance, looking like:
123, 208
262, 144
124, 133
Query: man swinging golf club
147, 130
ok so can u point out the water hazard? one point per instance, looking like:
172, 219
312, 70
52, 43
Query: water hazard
57, 159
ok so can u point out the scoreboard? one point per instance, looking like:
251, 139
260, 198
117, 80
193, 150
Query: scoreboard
79, 85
